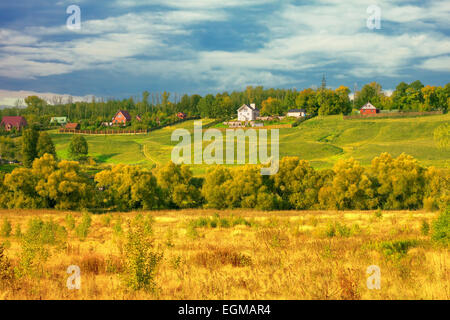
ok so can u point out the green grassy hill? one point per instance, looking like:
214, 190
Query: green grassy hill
321, 140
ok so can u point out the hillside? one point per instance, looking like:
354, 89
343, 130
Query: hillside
322, 141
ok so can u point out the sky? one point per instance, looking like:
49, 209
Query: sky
124, 47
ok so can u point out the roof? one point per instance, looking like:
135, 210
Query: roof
72, 125
368, 105
252, 107
125, 114
15, 121
297, 110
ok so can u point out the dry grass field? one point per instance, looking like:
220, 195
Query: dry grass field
239, 255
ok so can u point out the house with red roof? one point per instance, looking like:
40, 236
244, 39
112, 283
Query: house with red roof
368, 108
72, 126
181, 115
10, 122
121, 117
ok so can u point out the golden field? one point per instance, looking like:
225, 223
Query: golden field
273, 255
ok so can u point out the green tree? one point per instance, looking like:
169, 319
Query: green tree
351, 187
63, 185
297, 183
213, 190
7, 148
78, 147
129, 187
29, 146
400, 182
45, 145
372, 93
176, 183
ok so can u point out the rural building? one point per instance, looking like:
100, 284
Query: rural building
10, 122
59, 120
234, 124
256, 124
368, 108
296, 113
181, 115
121, 117
248, 112
72, 126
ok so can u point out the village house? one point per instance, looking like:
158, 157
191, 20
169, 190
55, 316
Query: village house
10, 122
181, 115
121, 117
248, 112
59, 120
296, 113
368, 108
72, 126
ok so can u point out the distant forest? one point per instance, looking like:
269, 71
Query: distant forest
159, 108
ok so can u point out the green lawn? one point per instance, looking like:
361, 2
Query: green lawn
321, 140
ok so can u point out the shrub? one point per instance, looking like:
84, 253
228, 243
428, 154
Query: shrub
18, 232
83, 228
106, 220
397, 249
117, 227
70, 221
378, 214
441, 228
425, 228
140, 259
6, 228
337, 228
34, 250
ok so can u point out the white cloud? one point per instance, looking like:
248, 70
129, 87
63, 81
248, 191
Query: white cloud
437, 64
297, 38
11, 97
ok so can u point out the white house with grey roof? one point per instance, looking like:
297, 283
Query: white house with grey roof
248, 112
296, 113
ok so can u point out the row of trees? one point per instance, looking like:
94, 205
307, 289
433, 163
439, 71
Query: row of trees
389, 183
37, 143
158, 109
406, 97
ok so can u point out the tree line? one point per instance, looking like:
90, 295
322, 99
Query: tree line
161, 108
388, 183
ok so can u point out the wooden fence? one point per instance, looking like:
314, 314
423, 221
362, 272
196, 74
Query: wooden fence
103, 132
393, 114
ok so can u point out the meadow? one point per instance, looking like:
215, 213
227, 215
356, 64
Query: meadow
321, 140
238, 254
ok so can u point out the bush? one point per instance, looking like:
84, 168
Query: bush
425, 228
18, 232
70, 221
83, 228
337, 228
6, 228
34, 251
397, 249
441, 228
140, 259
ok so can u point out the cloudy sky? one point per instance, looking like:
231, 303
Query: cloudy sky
206, 46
